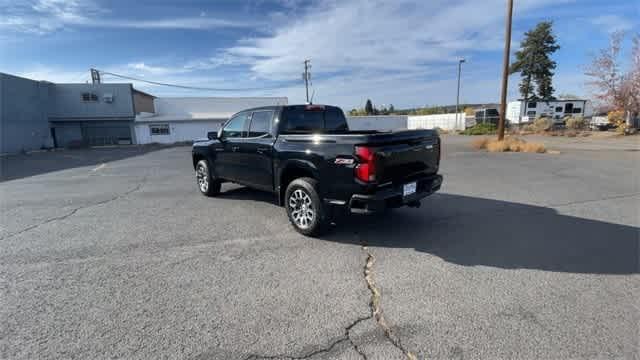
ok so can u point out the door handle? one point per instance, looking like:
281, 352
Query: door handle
262, 150
235, 148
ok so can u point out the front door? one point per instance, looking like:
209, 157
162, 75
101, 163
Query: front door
257, 151
228, 162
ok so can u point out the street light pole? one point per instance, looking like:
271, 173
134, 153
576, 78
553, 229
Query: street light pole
458, 95
505, 70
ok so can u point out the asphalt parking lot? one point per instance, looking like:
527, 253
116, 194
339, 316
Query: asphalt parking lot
113, 253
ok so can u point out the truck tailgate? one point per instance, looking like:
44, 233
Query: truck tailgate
401, 160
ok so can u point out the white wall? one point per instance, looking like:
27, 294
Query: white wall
442, 121
394, 122
514, 112
178, 131
377, 122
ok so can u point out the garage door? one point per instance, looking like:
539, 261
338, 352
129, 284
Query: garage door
92, 133
96, 134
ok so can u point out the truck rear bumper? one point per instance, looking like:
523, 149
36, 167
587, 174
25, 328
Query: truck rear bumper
393, 197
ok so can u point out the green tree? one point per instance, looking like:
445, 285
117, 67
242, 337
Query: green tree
368, 107
534, 63
391, 109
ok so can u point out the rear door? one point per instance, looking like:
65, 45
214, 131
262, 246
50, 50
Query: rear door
229, 161
257, 151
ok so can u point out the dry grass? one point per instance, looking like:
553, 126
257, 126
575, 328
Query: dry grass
480, 143
508, 144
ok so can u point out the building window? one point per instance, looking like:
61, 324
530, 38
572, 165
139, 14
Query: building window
531, 113
532, 104
577, 110
89, 97
558, 108
568, 108
159, 129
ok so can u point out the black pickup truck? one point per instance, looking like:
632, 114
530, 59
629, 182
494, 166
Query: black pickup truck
307, 156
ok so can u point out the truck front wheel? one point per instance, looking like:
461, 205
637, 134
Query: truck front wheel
206, 183
304, 207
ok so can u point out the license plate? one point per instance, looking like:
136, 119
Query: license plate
409, 189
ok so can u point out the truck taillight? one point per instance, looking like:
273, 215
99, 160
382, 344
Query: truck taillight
366, 168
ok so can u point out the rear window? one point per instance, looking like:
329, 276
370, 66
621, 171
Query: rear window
313, 118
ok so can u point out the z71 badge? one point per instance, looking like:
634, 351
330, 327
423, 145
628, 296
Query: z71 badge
343, 161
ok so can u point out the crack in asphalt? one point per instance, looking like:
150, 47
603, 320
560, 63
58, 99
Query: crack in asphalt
328, 348
376, 314
75, 210
614, 197
376, 308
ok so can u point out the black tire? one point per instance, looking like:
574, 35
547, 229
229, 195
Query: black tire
207, 185
308, 215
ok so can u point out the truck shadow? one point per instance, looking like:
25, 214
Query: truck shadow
472, 231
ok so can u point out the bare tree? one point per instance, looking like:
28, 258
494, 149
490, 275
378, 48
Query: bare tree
616, 89
631, 82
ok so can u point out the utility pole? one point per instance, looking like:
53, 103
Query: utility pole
458, 95
306, 76
505, 70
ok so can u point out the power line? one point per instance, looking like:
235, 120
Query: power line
184, 86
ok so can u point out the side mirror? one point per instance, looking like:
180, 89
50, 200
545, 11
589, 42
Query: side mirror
212, 135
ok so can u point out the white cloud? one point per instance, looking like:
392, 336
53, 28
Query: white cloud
611, 23
143, 69
402, 52
45, 16
193, 23
403, 35
56, 75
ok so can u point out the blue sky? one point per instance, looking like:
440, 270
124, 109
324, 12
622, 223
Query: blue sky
402, 52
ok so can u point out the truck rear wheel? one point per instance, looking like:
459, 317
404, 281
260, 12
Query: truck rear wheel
206, 183
304, 207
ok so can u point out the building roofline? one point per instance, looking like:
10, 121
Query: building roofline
143, 93
219, 97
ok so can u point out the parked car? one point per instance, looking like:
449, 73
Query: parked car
316, 167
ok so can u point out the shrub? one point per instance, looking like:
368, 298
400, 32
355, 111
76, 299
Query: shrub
481, 129
575, 123
616, 118
508, 144
542, 124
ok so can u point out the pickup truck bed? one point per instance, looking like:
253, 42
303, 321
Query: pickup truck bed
309, 148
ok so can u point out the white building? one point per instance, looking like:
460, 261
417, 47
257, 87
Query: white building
190, 118
522, 112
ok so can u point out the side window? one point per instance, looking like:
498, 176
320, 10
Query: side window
532, 104
577, 110
235, 127
260, 123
